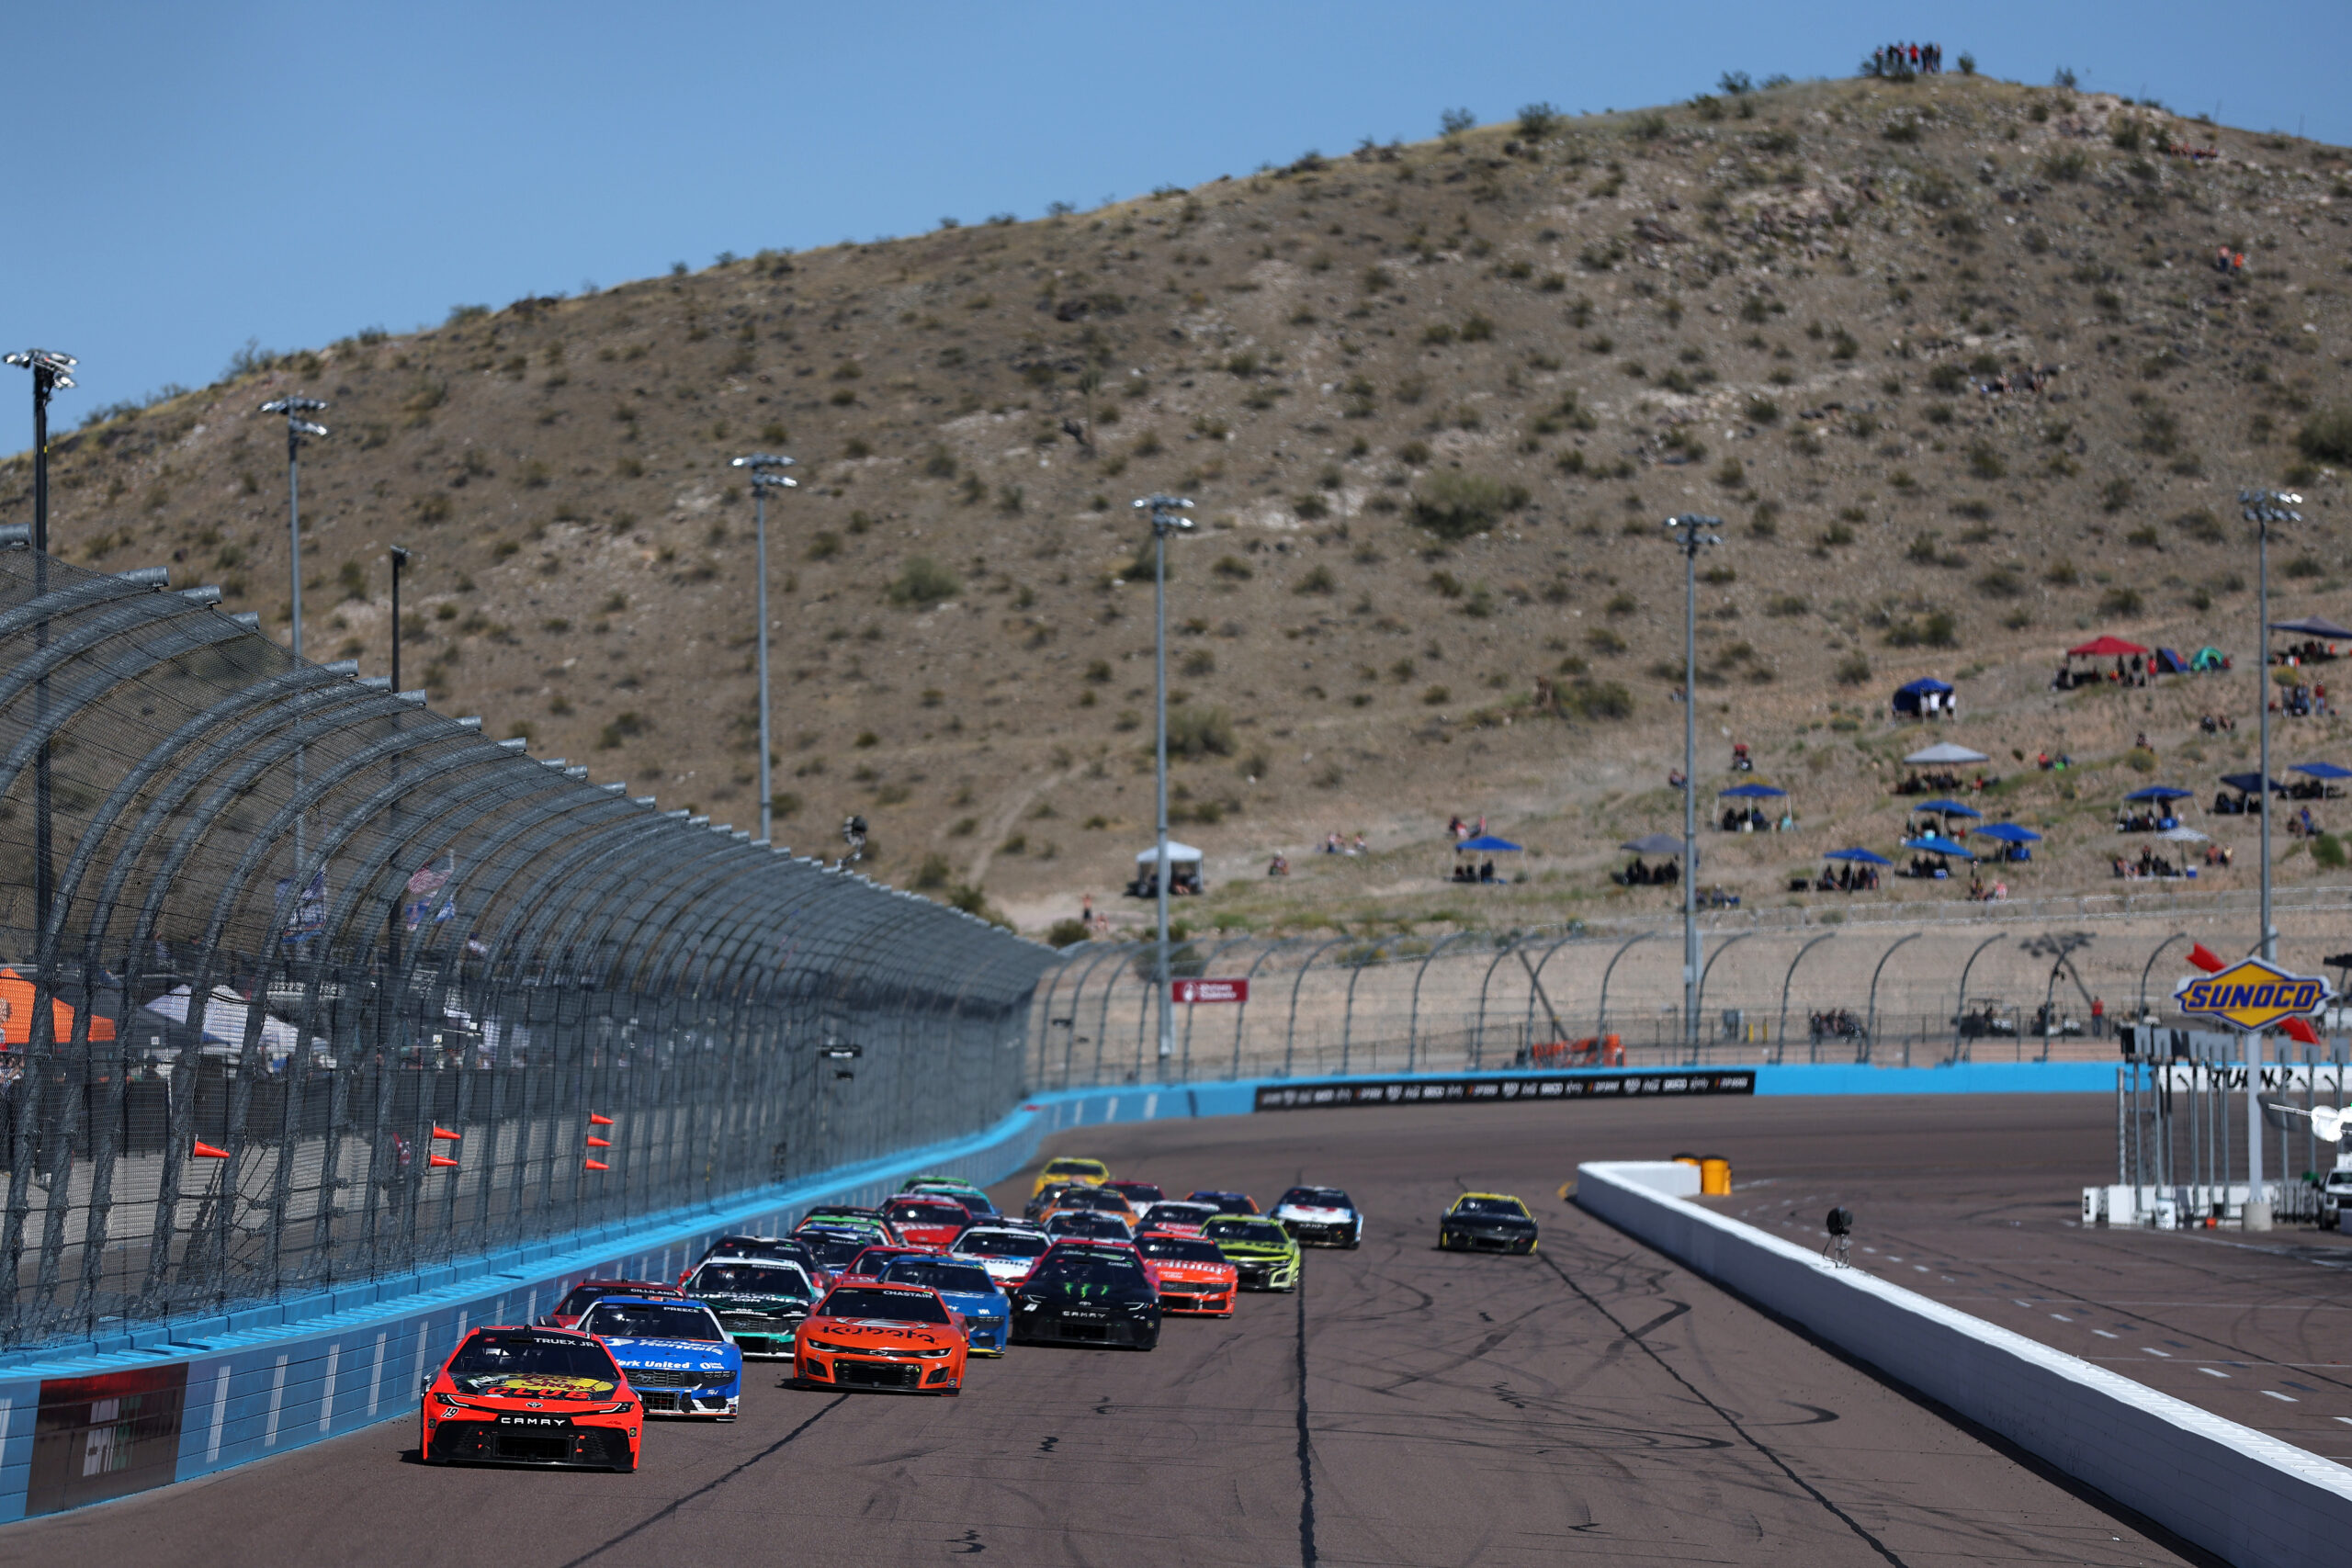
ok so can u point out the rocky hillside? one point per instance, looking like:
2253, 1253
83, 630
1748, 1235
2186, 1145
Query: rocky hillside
1950, 358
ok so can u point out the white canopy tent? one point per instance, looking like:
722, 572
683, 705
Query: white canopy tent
1944, 753
1177, 854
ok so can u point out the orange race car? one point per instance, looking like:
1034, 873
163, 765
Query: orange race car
531, 1396
1195, 1276
866, 1335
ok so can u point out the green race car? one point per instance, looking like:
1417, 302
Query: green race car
1265, 1252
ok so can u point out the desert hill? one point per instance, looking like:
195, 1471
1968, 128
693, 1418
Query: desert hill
1952, 358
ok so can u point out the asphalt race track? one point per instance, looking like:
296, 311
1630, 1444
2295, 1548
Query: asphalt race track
1593, 1403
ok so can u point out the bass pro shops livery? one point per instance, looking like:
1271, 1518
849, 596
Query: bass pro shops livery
533, 1396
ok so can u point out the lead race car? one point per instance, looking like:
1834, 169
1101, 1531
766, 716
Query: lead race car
531, 1396
677, 1357
1321, 1216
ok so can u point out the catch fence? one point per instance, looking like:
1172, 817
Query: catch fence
1938, 986
305, 983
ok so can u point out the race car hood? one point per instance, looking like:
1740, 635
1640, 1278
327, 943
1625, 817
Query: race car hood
1073, 1291
1256, 1248
675, 1355
750, 1301
881, 1333
1170, 1269
527, 1390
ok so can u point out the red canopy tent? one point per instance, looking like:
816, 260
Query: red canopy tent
2113, 648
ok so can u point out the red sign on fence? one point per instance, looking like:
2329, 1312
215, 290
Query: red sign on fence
1209, 990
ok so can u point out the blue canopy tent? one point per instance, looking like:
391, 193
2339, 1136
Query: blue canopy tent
1937, 844
1747, 818
1666, 847
2323, 776
1858, 856
2247, 799
1948, 808
2314, 626
2161, 791
2012, 838
2247, 784
1852, 880
1925, 698
1751, 791
1484, 844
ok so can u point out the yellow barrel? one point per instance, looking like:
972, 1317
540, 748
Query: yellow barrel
1714, 1176
1686, 1159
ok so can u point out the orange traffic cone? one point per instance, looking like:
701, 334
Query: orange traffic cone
444, 1159
596, 1120
600, 1142
206, 1151
441, 1131
594, 1165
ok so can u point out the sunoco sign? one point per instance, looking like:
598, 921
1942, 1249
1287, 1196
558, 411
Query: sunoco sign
2251, 994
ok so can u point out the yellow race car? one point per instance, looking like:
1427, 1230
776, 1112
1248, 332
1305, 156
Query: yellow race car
1486, 1221
1093, 1172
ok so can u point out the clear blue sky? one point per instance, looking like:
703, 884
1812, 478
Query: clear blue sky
182, 178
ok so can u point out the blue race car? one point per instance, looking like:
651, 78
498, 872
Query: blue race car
970, 1293
674, 1354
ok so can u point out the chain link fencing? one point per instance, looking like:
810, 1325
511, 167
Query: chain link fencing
1913, 985
304, 983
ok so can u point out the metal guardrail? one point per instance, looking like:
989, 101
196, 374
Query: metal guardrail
306, 982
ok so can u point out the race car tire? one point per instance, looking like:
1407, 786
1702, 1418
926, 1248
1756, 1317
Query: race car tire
956, 1393
1355, 1240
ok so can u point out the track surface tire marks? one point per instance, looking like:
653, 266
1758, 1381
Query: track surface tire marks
1594, 1403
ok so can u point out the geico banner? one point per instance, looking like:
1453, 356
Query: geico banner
1502, 1091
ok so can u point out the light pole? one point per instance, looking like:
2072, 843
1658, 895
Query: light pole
1167, 514
51, 371
294, 407
1689, 532
764, 481
2261, 508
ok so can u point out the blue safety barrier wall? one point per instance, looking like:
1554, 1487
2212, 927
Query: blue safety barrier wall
111, 1417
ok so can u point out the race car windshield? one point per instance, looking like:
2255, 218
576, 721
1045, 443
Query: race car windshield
1179, 1249
1100, 1198
833, 1252
896, 1306
1229, 1229
747, 1279
787, 1251
1498, 1208
1316, 1198
968, 1278
1138, 1191
491, 1355
933, 1213
1228, 1204
1075, 1168
1086, 1223
1003, 1243
1096, 1271
1182, 1213
641, 1320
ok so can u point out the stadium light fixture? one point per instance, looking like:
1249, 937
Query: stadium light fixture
1692, 532
1167, 516
53, 372
765, 480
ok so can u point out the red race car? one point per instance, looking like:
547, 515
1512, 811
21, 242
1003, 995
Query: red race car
1194, 1275
864, 1335
927, 1221
539, 1396
1178, 1216
566, 1314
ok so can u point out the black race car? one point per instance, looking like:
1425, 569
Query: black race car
1087, 1296
761, 1301
1486, 1221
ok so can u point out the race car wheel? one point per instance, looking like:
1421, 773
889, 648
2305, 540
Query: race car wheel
1355, 1240
956, 1393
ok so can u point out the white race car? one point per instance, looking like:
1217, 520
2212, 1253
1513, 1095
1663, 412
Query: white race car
1007, 1254
1320, 1216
